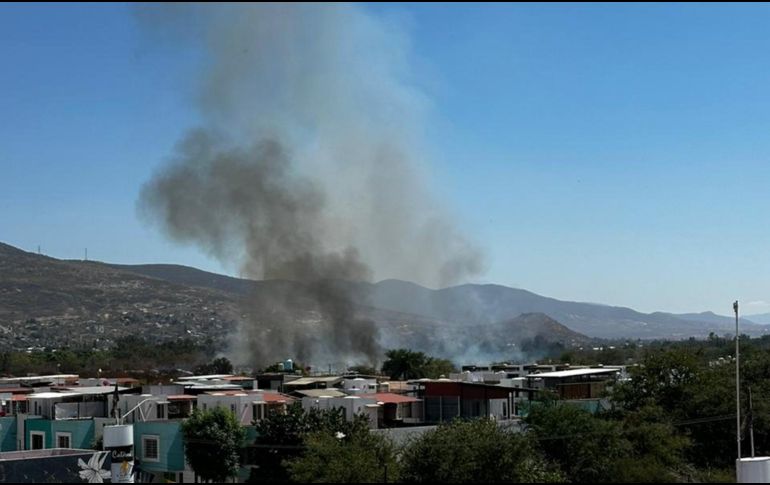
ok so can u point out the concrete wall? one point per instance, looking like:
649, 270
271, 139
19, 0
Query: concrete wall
241, 406
359, 385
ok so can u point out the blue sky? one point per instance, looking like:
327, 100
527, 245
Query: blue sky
615, 154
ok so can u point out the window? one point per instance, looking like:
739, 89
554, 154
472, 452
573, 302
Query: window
150, 445
406, 410
161, 411
64, 440
38, 440
232, 408
258, 412
21, 407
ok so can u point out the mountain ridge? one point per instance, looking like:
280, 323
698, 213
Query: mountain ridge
176, 301
593, 319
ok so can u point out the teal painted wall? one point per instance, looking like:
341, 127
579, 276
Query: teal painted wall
82, 431
8, 433
43, 425
170, 447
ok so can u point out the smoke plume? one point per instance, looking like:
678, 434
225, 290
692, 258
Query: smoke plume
309, 165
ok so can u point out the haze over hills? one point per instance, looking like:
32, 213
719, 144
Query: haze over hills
49, 302
712, 318
760, 319
484, 304
46, 302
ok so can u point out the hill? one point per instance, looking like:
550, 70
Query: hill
760, 319
473, 304
49, 302
46, 302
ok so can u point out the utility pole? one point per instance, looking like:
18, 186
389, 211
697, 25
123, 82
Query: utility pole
751, 423
737, 394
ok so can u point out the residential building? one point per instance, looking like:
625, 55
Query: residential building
445, 400
396, 409
585, 383
351, 406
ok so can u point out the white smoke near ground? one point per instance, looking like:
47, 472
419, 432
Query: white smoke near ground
309, 165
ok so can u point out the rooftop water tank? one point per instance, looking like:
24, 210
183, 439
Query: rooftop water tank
755, 470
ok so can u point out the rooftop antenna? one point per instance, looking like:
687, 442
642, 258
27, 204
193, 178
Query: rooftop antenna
737, 394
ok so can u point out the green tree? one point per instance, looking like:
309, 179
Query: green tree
474, 451
360, 457
213, 441
658, 449
700, 397
220, 365
435, 368
404, 364
665, 377
585, 447
281, 438
364, 369
408, 364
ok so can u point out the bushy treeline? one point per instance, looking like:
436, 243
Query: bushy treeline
558, 443
672, 421
126, 355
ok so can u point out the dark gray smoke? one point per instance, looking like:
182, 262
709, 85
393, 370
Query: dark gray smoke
308, 167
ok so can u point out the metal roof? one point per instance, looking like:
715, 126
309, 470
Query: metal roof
574, 373
206, 377
308, 381
52, 395
215, 387
390, 398
321, 393
95, 389
45, 453
276, 397
39, 378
